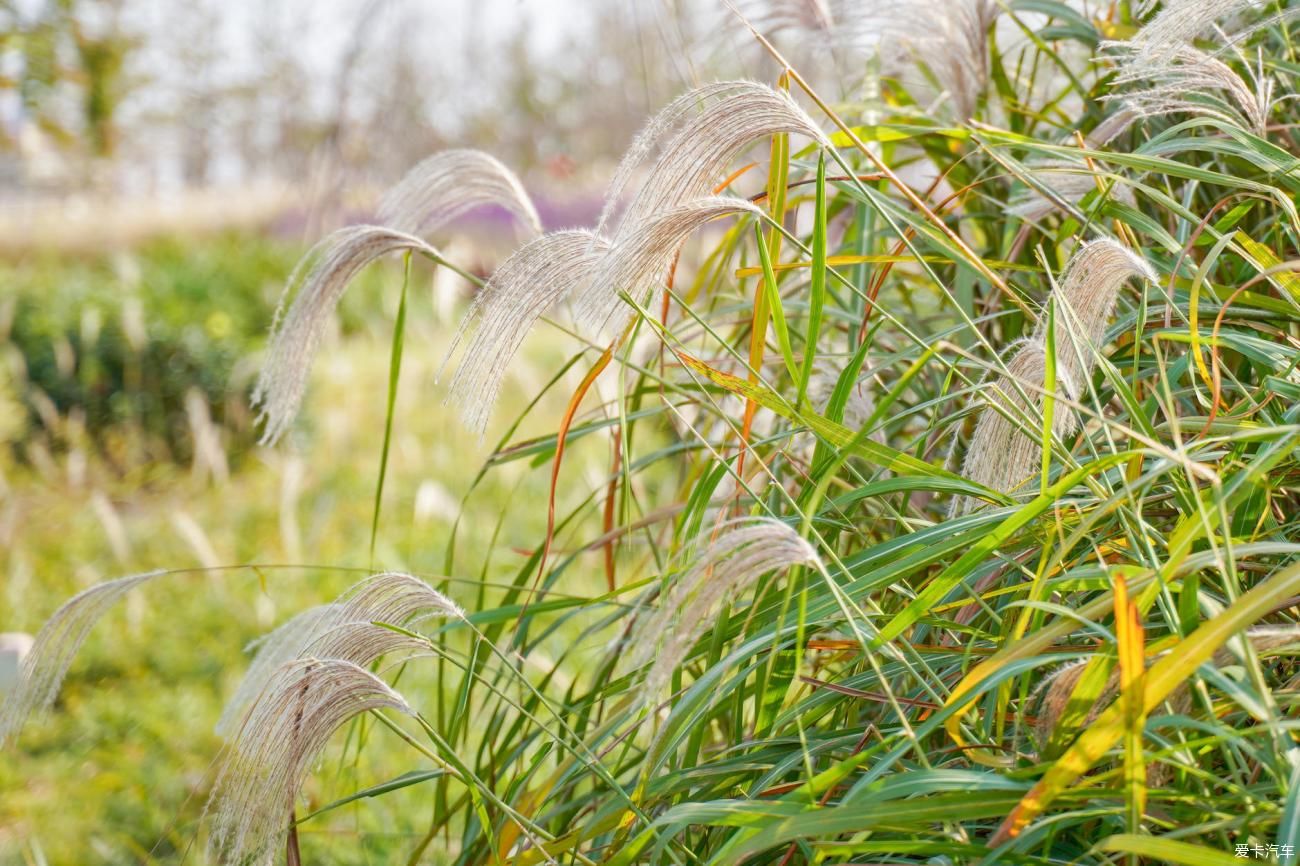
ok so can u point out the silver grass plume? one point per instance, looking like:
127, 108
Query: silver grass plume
304, 702
528, 283
1180, 22
449, 184
640, 258
297, 331
698, 135
1086, 299
950, 37
1006, 447
1188, 80
743, 551
56, 645
342, 629
806, 17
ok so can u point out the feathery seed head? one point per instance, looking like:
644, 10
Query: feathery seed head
57, 643
448, 185
698, 135
1188, 80
1005, 449
1182, 21
639, 260
527, 284
343, 629
297, 332
743, 551
1085, 301
303, 703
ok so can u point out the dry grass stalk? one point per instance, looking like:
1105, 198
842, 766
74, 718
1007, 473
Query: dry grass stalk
743, 551
56, 645
531, 281
698, 136
447, 185
639, 260
344, 630
297, 332
1187, 80
304, 702
1005, 449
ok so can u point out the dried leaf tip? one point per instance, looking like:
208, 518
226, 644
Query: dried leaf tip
743, 551
330, 267
56, 645
304, 702
532, 280
697, 136
447, 185
344, 629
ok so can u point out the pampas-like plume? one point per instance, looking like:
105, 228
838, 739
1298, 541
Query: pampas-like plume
56, 645
449, 184
1005, 449
802, 16
523, 288
1086, 300
950, 37
297, 332
639, 260
303, 704
1188, 80
341, 630
1180, 22
744, 550
709, 127
1053, 695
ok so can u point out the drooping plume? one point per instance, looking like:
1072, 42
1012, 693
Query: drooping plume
303, 703
447, 185
639, 260
342, 629
56, 645
698, 136
1187, 80
532, 280
296, 335
1006, 447
743, 551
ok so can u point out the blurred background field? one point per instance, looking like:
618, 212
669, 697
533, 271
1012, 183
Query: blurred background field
162, 168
